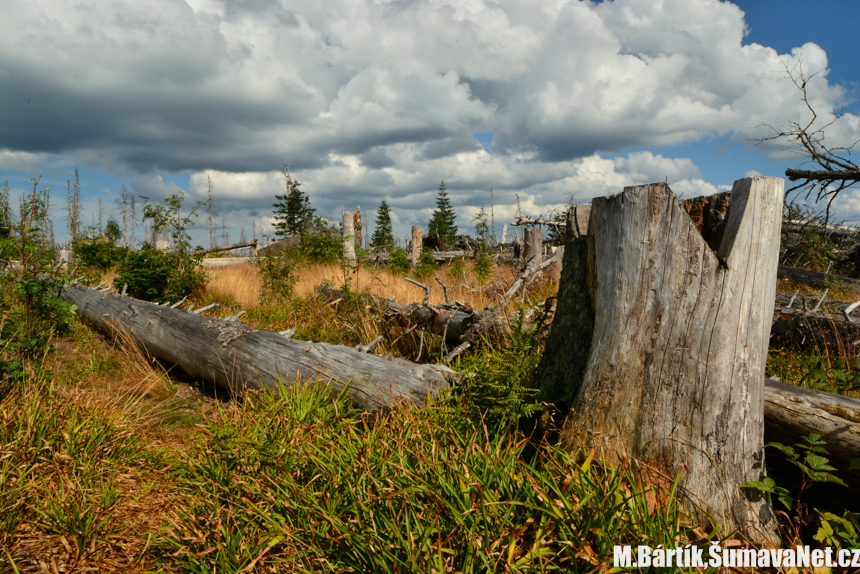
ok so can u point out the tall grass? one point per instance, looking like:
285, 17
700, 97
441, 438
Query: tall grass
242, 284
295, 479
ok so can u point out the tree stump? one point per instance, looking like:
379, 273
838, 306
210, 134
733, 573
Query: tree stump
417, 244
348, 236
533, 247
669, 373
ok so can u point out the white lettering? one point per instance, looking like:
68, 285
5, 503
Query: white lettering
763, 558
817, 558
696, 560
643, 557
659, 558
621, 557
855, 563
714, 553
802, 556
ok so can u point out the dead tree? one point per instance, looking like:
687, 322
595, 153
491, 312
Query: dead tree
238, 357
832, 167
533, 247
659, 345
348, 236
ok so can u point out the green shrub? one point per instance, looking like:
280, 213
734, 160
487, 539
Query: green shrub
32, 312
279, 277
98, 252
321, 244
497, 382
398, 261
426, 264
156, 275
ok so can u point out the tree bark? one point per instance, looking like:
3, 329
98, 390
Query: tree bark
238, 357
673, 378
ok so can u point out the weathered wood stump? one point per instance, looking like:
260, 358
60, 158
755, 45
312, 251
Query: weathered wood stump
659, 345
348, 236
533, 247
417, 244
238, 357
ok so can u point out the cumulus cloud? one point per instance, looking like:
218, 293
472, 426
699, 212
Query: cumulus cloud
411, 187
370, 100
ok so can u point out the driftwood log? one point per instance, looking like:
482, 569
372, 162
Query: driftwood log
201, 252
238, 357
660, 341
792, 412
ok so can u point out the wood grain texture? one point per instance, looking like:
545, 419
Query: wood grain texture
792, 412
533, 246
675, 373
237, 357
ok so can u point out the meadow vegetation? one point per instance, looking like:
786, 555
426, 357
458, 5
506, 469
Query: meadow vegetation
112, 460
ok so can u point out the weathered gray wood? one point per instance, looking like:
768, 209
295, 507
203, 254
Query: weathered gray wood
348, 236
238, 357
815, 278
252, 243
674, 380
838, 231
533, 247
417, 244
792, 412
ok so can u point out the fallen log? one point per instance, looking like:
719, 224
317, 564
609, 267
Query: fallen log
839, 231
815, 278
235, 356
201, 252
792, 412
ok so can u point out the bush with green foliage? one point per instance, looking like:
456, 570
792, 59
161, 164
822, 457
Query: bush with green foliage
321, 243
279, 277
810, 457
164, 275
398, 261
100, 251
498, 386
32, 312
426, 264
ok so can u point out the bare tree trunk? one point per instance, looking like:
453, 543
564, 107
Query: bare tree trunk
533, 247
236, 356
417, 244
348, 236
669, 372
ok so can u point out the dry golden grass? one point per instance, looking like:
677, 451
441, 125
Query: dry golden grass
233, 284
242, 284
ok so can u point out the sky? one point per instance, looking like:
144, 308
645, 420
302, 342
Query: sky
547, 102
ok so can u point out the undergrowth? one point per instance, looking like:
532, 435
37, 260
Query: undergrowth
295, 479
